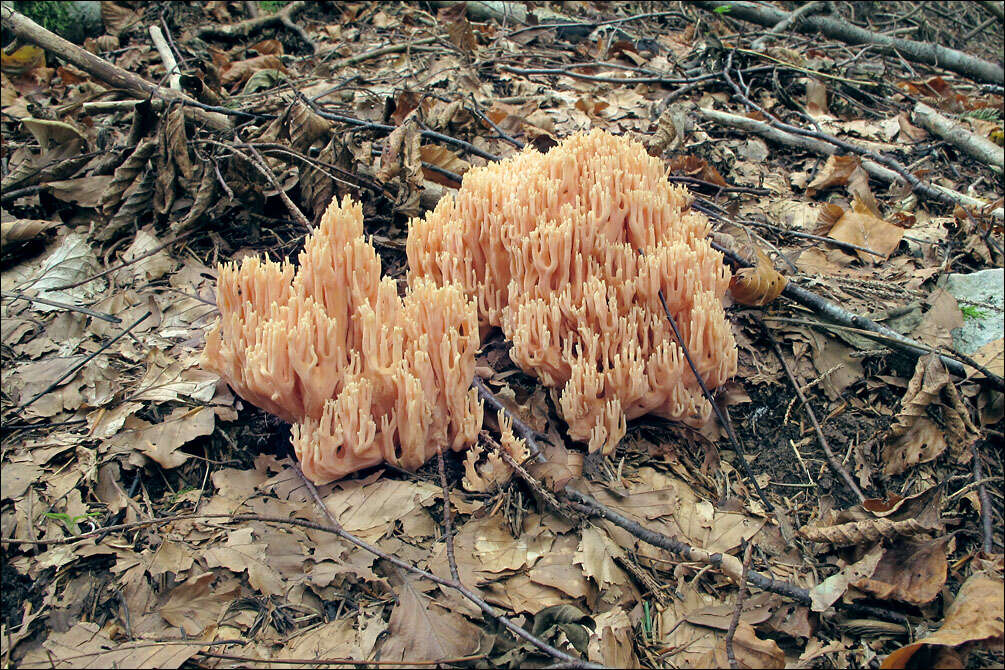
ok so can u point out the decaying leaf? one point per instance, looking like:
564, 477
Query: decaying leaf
976, 615
421, 630
759, 285
195, 604
914, 437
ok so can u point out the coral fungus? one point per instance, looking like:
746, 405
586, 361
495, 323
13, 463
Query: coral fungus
364, 375
568, 252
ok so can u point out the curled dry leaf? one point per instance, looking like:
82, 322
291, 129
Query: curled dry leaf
759, 285
692, 166
837, 171
22, 230
860, 532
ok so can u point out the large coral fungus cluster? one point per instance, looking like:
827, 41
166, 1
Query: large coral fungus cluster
568, 252
364, 375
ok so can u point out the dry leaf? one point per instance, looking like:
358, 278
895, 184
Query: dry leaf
23, 60
910, 571
862, 228
759, 285
749, 650
977, 614
194, 605
835, 172
421, 630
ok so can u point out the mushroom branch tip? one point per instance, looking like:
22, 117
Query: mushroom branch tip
568, 252
364, 375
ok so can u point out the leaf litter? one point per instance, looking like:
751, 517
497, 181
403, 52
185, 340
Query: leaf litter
115, 213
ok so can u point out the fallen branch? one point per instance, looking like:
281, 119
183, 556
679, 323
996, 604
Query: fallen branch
809, 8
29, 31
822, 148
843, 317
376, 53
840, 29
164, 51
738, 608
244, 28
976, 146
987, 529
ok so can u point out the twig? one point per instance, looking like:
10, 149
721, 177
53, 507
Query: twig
256, 161
987, 530
529, 435
29, 31
17, 295
792, 19
73, 370
244, 28
377, 53
683, 179
976, 146
841, 29
726, 424
428, 134
455, 583
170, 64
592, 24
918, 186
448, 520
868, 327
250, 661
145, 254
15, 193
914, 348
832, 460
708, 209
822, 148
738, 608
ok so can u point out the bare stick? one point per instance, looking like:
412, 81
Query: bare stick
976, 146
840, 29
29, 31
73, 370
987, 530
731, 631
448, 521
244, 28
832, 460
17, 295
822, 148
792, 19
843, 317
918, 186
170, 64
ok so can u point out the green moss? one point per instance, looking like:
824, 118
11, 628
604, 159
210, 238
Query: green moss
970, 312
52, 16
272, 6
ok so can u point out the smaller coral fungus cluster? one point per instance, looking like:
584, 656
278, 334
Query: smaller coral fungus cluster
364, 375
568, 252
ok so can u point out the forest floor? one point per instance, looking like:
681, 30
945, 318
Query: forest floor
150, 518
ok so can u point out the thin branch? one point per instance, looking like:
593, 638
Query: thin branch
454, 583
918, 186
17, 295
73, 370
738, 608
987, 530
